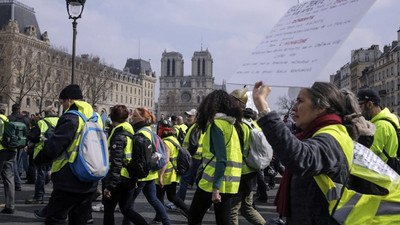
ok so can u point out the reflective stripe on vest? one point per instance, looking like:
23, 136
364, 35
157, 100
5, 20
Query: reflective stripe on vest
233, 170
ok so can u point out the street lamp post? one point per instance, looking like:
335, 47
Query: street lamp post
74, 9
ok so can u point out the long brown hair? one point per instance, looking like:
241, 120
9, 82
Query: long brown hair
146, 115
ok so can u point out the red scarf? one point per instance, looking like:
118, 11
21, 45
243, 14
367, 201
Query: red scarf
282, 198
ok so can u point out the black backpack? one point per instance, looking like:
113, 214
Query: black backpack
139, 166
183, 160
181, 136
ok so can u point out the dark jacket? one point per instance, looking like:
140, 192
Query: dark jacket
18, 117
117, 145
64, 134
194, 137
320, 154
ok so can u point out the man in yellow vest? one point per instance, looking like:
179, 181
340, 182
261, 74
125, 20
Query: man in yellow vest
243, 200
7, 158
71, 197
385, 137
39, 134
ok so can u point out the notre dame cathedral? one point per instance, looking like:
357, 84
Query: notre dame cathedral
180, 92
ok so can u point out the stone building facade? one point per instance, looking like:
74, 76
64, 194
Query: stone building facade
376, 69
33, 73
179, 92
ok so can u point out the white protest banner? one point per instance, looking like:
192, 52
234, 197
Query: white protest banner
301, 44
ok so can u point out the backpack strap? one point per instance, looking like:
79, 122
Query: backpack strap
76, 112
395, 129
47, 122
176, 145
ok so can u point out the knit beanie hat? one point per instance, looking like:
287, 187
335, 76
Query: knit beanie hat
72, 91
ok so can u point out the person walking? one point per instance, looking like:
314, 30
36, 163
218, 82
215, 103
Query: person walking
243, 200
118, 186
71, 198
168, 179
7, 159
38, 136
222, 158
194, 144
21, 156
142, 118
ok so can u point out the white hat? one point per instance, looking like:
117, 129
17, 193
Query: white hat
191, 112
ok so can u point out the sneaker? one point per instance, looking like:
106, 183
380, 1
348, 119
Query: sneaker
38, 216
33, 201
97, 208
7, 211
155, 222
171, 207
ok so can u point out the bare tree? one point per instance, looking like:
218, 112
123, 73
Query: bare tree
285, 104
95, 82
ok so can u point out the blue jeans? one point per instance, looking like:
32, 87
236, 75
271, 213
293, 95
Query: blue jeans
18, 167
185, 179
149, 191
42, 171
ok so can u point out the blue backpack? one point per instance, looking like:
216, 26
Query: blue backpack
91, 163
158, 155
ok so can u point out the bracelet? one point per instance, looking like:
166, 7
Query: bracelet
264, 113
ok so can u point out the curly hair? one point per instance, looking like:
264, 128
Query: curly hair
218, 101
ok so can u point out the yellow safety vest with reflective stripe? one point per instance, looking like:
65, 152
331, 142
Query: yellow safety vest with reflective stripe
43, 128
353, 207
128, 148
170, 175
87, 110
152, 174
2, 130
246, 142
185, 144
233, 170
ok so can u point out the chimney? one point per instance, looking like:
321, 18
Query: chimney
398, 35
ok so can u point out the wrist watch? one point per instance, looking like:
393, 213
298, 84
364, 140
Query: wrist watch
264, 113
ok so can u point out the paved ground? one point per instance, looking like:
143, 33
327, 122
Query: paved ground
24, 213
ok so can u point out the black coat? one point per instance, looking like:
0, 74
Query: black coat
118, 143
64, 134
307, 158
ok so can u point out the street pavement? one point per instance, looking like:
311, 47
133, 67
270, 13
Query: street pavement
24, 213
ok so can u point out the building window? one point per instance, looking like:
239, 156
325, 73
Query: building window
173, 68
168, 68
116, 87
204, 67
28, 102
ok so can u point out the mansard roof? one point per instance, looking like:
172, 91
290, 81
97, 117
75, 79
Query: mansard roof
25, 15
136, 65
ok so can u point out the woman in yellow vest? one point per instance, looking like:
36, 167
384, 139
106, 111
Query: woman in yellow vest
323, 149
168, 180
222, 158
118, 186
141, 122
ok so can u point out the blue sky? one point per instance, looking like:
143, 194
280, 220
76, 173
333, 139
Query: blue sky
230, 29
